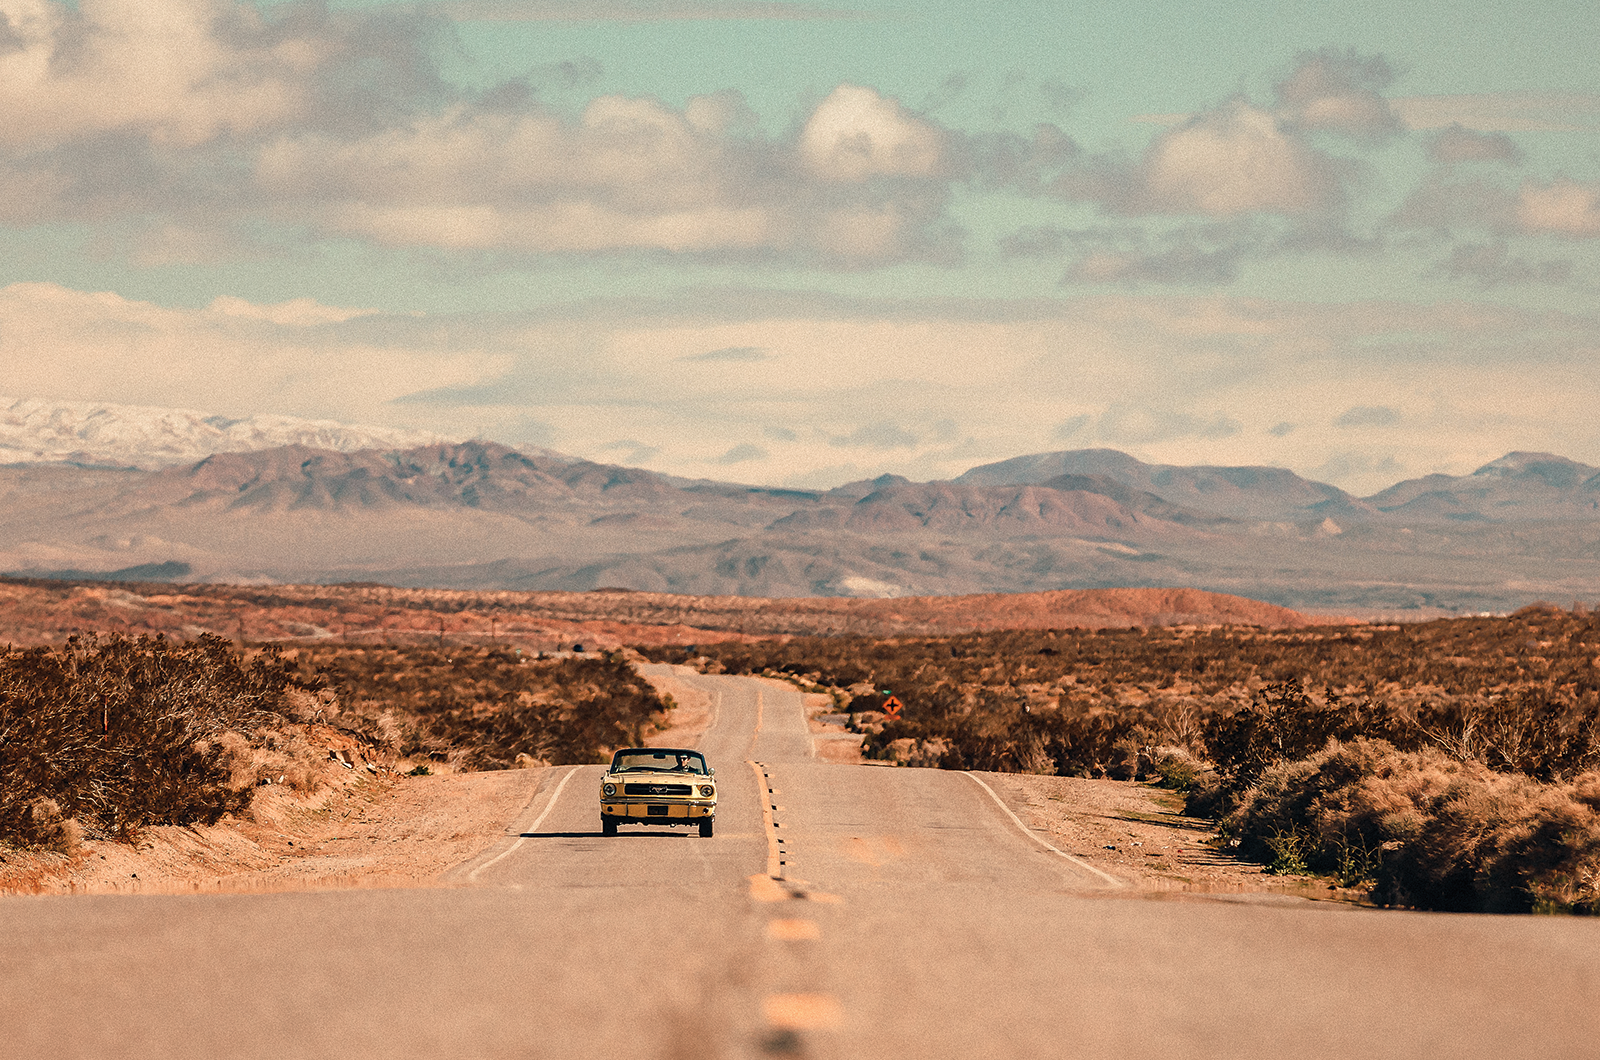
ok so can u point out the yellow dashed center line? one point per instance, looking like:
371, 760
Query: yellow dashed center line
802, 1012
793, 930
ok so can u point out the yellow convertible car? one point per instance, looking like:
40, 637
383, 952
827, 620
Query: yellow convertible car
658, 785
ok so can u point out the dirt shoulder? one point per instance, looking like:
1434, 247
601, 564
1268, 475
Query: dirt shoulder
385, 831
1139, 833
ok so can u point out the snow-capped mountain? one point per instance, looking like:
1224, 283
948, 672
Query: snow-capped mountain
42, 431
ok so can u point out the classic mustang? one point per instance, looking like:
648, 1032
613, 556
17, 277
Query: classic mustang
658, 785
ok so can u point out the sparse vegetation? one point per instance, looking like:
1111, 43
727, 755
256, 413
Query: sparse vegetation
486, 708
105, 737
1453, 764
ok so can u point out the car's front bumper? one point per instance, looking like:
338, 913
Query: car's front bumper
644, 811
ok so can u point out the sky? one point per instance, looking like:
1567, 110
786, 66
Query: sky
802, 244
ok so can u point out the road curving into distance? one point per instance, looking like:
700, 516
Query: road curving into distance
840, 911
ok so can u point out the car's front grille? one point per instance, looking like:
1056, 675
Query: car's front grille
656, 789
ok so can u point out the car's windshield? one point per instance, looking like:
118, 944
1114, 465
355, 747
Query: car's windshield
663, 761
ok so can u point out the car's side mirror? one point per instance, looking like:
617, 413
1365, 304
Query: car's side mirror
710, 772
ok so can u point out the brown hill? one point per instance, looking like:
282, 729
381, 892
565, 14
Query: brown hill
36, 612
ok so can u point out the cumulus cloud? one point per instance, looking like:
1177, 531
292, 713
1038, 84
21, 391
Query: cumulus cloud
628, 174
1562, 207
186, 72
1235, 160
855, 134
190, 123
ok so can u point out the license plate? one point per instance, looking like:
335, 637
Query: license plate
656, 811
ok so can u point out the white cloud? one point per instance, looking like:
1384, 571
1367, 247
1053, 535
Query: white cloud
1236, 160
855, 134
628, 174
179, 71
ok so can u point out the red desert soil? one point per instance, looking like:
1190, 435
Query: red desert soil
35, 613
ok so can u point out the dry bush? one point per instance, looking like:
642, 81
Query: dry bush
1434, 832
118, 734
486, 708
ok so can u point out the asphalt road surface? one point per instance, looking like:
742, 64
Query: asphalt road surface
840, 911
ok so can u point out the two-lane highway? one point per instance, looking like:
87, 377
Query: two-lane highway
838, 912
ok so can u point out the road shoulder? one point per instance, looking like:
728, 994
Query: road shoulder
1138, 833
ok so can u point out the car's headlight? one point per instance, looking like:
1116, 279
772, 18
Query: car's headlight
706, 791
609, 789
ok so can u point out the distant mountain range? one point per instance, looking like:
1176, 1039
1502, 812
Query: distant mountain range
483, 516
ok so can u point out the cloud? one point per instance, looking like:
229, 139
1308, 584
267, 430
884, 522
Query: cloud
1494, 265
1455, 144
633, 452
1281, 430
1124, 424
1502, 112
856, 134
1181, 259
879, 434
196, 130
1235, 160
1338, 92
742, 453
1069, 429
184, 73
730, 355
1444, 205
1368, 416
1562, 207
858, 189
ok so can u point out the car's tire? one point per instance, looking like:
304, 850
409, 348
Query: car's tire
608, 826
705, 827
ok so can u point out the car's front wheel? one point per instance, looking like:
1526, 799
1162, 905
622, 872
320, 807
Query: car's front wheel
608, 826
705, 827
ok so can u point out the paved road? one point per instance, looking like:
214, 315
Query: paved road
909, 917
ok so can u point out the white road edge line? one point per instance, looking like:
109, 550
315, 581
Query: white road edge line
512, 849
1031, 834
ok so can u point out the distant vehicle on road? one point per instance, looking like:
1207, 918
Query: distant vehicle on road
658, 785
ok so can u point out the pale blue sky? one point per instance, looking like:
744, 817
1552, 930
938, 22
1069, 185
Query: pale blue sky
951, 232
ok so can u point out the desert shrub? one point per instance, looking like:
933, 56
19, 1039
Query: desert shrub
1428, 829
118, 734
487, 708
